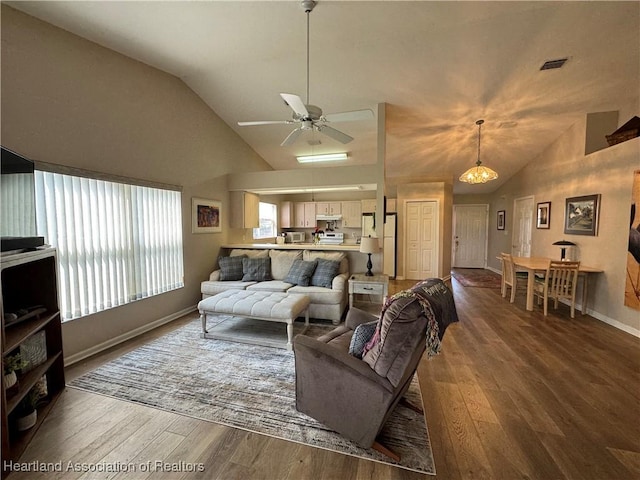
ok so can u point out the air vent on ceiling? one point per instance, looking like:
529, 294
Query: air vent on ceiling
551, 64
314, 142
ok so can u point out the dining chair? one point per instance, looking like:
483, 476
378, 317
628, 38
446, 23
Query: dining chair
510, 276
560, 282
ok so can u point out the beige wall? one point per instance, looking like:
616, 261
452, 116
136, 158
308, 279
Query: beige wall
68, 101
561, 171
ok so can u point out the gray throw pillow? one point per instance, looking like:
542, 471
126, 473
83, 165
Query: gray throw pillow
325, 272
231, 267
361, 336
256, 269
300, 272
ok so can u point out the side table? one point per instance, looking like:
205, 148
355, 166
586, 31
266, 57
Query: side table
377, 285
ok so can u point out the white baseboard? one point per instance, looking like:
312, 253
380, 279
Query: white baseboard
70, 360
603, 318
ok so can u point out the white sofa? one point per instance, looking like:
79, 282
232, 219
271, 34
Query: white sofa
326, 303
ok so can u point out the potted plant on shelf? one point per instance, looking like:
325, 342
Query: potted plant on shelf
27, 412
11, 364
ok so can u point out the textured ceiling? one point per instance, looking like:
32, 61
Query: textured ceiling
439, 67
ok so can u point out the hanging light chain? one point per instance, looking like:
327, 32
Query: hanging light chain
308, 12
479, 123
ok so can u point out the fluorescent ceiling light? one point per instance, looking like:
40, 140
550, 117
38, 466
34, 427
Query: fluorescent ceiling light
329, 157
307, 189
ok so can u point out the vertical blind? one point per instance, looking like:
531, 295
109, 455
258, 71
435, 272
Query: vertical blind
116, 243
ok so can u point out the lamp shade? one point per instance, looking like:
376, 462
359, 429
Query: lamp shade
369, 245
563, 242
478, 174
563, 247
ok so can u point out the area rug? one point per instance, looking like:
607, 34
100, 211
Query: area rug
478, 277
248, 387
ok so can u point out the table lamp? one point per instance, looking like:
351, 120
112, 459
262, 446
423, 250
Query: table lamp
369, 245
563, 247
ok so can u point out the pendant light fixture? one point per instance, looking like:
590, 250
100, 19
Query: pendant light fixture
479, 173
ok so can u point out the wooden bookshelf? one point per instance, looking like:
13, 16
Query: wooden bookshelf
29, 289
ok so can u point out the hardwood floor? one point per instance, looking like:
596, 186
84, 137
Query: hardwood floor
513, 394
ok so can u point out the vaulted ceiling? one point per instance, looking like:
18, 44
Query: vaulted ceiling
438, 66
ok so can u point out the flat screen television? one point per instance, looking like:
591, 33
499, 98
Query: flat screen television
17, 203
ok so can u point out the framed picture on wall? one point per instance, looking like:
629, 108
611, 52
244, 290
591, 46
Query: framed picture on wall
581, 215
501, 219
206, 216
544, 215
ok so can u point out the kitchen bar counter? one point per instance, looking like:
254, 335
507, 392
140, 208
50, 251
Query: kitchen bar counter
296, 246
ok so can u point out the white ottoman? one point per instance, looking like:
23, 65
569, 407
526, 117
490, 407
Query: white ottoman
259, 305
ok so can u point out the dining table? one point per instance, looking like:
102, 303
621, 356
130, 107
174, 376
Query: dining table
533, 265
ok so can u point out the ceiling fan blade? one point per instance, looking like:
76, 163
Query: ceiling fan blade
265, 122
349, 116
335, 134
291, 138
296, 104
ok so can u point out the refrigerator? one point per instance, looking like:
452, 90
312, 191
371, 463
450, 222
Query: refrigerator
389, 245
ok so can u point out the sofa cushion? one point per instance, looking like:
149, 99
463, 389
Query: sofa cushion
213, 288
231, 267
361, 335
251, 253
325, 272
322, 295
281, 261
271, 286
256, 269
301, 272
338, 256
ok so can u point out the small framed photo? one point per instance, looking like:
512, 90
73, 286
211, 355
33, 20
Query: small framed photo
206, 216
544, 215
581, 215
501, 219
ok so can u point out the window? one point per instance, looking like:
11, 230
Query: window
116, 243
268, 228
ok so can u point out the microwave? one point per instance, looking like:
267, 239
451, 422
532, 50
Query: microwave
295, 237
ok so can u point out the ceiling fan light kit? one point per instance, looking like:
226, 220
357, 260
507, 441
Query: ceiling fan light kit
479, 173
310, 117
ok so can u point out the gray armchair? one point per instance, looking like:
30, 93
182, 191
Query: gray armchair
355, 396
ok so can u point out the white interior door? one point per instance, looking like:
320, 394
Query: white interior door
523, 218
421, 240
470, 236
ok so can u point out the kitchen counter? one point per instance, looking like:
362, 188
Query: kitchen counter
345, 247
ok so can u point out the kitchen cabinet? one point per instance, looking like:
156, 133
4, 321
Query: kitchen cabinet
352, 214
305, 214
369, 205
31, 328
328, 208
287, 215
245, 207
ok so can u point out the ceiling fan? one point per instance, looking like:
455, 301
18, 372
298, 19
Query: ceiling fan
310, 117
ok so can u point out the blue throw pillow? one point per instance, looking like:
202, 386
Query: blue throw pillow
361, 336
256, 269
231, 267
300, 272
325, 272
